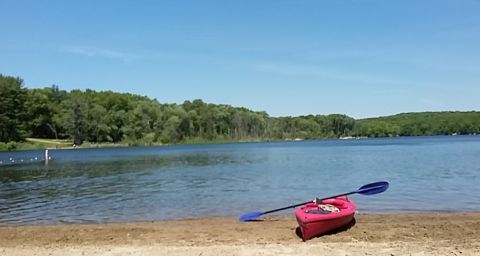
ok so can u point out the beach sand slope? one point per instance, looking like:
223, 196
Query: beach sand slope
372, 234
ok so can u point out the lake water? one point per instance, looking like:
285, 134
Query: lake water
157, 183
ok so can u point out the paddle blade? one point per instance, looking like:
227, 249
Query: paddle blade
373, 188
250, 216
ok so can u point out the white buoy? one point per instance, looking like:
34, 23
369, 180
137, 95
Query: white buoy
46, 156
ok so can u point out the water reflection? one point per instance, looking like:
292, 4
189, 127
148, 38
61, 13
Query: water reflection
128, 184
100, 168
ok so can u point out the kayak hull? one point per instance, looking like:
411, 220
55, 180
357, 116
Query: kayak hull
314, 221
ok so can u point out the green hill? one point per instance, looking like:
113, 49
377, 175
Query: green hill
423, 123
121, 118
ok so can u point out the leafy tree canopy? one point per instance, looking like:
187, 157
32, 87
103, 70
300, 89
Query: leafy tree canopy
122, 117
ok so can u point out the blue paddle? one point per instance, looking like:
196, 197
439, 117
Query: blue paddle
369, 189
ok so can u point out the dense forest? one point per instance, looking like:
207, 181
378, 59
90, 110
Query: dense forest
109, 117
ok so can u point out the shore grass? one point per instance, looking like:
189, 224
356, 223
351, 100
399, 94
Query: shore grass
35, 143
41, 143
50, 141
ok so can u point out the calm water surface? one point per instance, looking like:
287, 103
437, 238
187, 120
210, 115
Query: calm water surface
155, 183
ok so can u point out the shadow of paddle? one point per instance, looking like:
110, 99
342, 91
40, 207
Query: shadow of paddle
346, 227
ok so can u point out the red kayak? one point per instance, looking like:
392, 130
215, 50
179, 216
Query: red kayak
317, 219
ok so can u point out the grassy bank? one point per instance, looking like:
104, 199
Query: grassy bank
35, 143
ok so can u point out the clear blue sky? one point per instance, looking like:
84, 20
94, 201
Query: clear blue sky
362, 58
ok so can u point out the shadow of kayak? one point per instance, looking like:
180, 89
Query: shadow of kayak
343, 228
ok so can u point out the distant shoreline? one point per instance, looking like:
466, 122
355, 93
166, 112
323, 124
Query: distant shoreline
89, 145
106, 116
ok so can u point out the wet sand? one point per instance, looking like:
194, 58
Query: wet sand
371, 234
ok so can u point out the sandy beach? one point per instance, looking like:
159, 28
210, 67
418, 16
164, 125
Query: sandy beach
372, 234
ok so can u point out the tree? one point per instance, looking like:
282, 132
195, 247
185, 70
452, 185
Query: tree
76, 113
12, 109
98, 129
339, 124
170, 132
40, 112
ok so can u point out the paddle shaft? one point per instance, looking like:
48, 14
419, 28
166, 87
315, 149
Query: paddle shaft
293, 206
369, 189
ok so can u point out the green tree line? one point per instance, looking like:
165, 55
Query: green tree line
420, 124
100, 117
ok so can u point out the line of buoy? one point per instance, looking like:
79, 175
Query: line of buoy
12, 160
